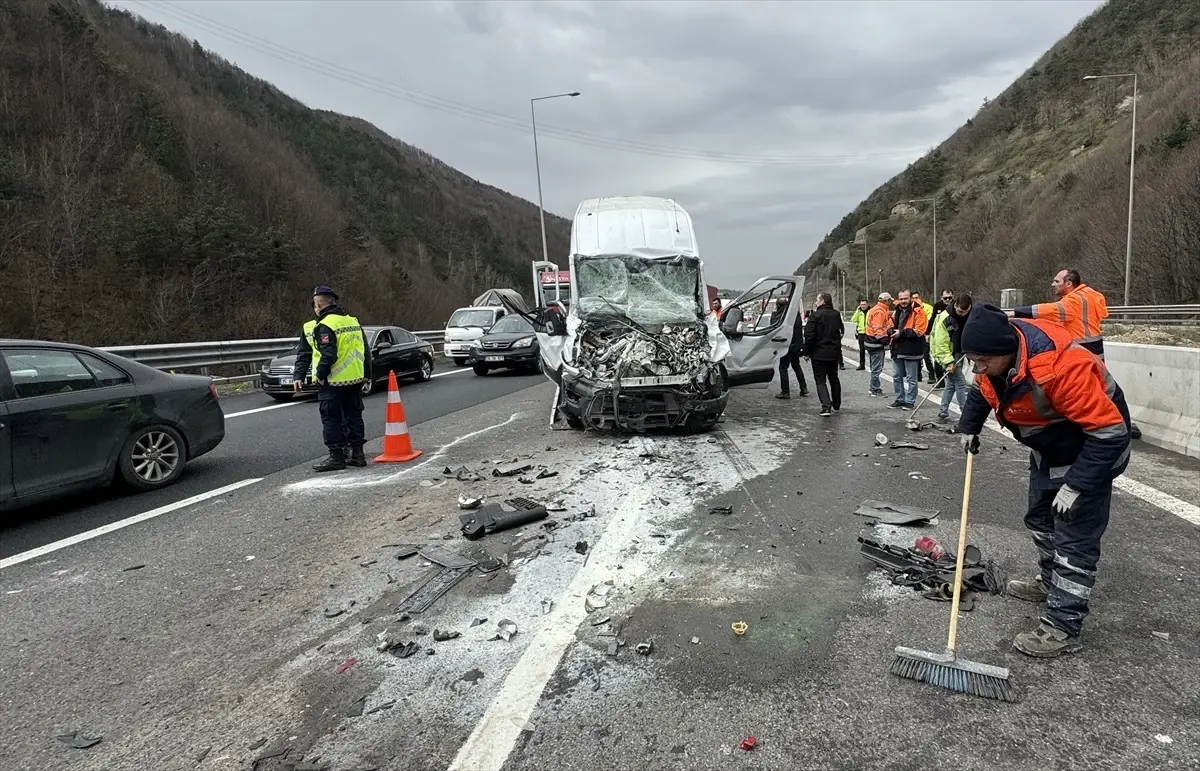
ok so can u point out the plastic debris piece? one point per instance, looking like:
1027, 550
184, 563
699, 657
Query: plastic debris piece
131, 568
467, 502
429, 592
907, 446
546, 474
407, 550
644, 648
598, 596
356, 709
1162, 635
896, 514
547, 606
381, 707
740, 627
479, 622
724, 510
505, 629
493, 518
442, 636
930, 546
695, 641
404, 650
749, 743
334, 612
511, 469
80, 740
346, 665
881, 440
431, 483
1162, 738
917, 475
446, 557
581, 547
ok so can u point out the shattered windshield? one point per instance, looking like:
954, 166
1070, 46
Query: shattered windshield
471, 317
641, 289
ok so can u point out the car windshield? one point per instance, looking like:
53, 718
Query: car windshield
472, 317
641, 289
512, 323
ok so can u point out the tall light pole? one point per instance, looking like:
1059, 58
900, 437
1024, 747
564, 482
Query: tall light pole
866, 272
537, 164
1132, 153
934, 201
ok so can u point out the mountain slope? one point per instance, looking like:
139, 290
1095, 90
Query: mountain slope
152, 192
1038, 179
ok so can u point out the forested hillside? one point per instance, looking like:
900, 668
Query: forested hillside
1038, 179
152, 192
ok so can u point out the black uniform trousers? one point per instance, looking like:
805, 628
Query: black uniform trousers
341, 409
829, 383
1068, 548
862, 350
792, 360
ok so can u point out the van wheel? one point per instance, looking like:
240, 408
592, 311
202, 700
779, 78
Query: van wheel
460, 361
480, 369
152, 458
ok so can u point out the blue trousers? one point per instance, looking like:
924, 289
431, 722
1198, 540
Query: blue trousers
876, 355
905, 378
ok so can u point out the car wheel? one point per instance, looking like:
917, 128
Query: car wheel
480, 369
460, 362
426, 370
368, 387
152, 458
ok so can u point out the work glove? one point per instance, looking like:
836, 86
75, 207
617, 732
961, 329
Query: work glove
970, 443
1064, 502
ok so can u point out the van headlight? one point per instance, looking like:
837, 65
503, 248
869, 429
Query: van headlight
524, 342
475, 345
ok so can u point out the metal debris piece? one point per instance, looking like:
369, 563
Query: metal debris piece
907, 446
880, 440
130, 569
598, 596
896, 513
479, 622
81, 741
725, 510
505, 630
407, 550
511, 469
468, 502
581, 547
546, 474
430, 591
404, 650
381, 707
1162, 635
556, 506
446, 557
485, 562
644, 648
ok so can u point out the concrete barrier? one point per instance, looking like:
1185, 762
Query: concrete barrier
1162, 387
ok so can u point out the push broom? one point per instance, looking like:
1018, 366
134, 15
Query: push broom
947, 670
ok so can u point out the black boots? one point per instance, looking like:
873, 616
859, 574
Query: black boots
335, 462
357, 458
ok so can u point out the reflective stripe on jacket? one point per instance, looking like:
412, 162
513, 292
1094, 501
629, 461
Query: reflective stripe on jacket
310, 327
879, 326
940, 345
1082, 312
1061, 402
350, 365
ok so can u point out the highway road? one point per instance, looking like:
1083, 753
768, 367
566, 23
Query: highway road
262, 436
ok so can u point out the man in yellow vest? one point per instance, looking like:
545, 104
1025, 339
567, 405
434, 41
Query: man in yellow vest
859, 320
340, 346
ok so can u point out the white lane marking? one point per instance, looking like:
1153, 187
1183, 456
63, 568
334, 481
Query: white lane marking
497, 732
294, 403
114, 526
1188, 512
370, 480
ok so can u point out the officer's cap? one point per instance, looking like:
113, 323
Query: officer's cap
324, 290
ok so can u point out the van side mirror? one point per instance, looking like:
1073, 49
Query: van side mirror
730, 322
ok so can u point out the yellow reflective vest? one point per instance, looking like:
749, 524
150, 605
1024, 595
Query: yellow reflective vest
350, 366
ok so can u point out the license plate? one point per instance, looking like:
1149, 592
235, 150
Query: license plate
493, 358
285, 381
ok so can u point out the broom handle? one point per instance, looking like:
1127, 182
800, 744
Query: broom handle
961, 554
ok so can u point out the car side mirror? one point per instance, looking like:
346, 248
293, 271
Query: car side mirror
730, 322
382, 345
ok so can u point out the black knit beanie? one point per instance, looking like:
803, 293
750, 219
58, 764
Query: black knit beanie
987, 332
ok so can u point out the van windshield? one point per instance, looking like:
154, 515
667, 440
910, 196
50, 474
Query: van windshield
642, 289
472, 317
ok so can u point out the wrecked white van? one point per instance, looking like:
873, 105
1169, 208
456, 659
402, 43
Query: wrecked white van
639, 349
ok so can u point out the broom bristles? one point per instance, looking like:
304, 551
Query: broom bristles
957, 675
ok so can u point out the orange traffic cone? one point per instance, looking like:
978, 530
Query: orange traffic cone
397, 445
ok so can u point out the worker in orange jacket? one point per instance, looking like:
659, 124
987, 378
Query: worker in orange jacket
877, 336
1058, 399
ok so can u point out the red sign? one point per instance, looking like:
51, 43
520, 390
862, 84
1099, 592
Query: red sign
561, 277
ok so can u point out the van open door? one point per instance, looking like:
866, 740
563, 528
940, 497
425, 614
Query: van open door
758, 324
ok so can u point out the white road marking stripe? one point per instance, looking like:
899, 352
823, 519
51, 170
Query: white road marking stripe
294, 403
114, 526
1188, 512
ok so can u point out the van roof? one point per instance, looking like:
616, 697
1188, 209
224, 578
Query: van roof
641, 225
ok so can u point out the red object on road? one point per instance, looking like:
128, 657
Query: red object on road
346, 665
748, 743
927, 545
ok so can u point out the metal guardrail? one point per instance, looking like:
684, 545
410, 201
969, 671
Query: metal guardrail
202, 356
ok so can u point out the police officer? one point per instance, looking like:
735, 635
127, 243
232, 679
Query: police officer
338, 342
1058, 399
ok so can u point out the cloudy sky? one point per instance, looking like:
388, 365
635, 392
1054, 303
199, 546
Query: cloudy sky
768, 121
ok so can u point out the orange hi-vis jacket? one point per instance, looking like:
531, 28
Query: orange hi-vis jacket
913, 325
879, 327
1081, 311
1059, 401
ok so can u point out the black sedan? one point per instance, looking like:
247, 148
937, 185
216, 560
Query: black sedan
392, 350
509, 344
72, 418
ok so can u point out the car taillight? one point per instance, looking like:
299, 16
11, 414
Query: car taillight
212, 389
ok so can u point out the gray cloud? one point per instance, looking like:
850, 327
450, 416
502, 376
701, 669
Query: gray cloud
842, 95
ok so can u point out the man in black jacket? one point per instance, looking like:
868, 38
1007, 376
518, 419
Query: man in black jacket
792, 359
823, 344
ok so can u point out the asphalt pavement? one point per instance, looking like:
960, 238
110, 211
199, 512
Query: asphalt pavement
244, 632
262, 436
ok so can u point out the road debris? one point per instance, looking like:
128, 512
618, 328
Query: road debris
479, 622
356, 709
597, 597
132, 568
431, 483
505, 630
644, 648
404, 649
907, 446
547, 606
595, 672
334, 612
81, 741
896, 514
407, 550
446, 557
546, 474
749, 743
511, 469
485, 562
724, 510
381, 707
346, 665
934, 577
881, 440
581, 547
493, 518
740, 627
1162, 635
695, 641
443, 636
1162, 738
917, 475
467, 502
463, 474
430, 591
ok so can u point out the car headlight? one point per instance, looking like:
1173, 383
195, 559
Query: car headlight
524, 342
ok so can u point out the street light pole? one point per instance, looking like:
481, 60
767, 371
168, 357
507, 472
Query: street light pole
1132, 154
934, 201
866, 271
537, 164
